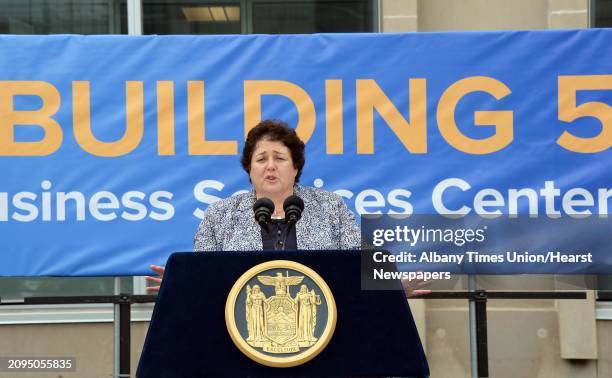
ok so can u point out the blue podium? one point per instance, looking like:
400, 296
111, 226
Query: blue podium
374, 334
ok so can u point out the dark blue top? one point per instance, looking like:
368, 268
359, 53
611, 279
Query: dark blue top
276, 229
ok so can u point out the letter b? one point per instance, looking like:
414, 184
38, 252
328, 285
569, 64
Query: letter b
9, 118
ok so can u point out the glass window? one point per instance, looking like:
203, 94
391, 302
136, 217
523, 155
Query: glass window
257, 16
17, 288
602, 14
191, 17
604, 285
324, 16
63, 16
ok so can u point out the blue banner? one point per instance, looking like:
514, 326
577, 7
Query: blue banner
111, 147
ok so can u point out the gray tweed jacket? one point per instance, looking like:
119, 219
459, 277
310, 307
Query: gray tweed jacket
229, 224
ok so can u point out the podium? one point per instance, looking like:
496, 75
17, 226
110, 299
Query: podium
374, 335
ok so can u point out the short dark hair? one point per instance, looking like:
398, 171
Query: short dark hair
275, 131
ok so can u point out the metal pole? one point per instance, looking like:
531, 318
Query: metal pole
116, 331
480, 300
473, 325
124, 338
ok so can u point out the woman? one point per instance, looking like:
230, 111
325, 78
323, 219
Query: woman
273, 157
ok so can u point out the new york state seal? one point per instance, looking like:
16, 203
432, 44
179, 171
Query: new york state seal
280, 313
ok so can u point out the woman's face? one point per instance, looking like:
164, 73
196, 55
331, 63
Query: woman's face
272, 171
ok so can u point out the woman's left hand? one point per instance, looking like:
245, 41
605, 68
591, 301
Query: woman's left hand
160, 271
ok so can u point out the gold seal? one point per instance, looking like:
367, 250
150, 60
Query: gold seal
280, 313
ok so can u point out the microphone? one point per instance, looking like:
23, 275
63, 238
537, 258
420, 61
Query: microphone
293, 207
263, 208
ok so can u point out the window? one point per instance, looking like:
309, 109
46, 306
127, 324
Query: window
63, 16
274, 17
258, 16
197, 17
602, 14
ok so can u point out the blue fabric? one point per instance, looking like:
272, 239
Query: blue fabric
142, 201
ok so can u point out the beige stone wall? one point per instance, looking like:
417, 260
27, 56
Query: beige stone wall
568, 14
447, 15
399, 15
523, 339
90, 343
604, 348
438, 15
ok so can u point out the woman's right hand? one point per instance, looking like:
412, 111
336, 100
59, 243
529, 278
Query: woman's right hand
414, 288
157, 280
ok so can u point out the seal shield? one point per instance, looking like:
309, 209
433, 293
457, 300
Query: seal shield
280, 313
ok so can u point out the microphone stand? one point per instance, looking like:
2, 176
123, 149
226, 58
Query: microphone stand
293, 207
283, 243
279, 243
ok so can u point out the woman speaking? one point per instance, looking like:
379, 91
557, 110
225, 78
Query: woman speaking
273, 157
